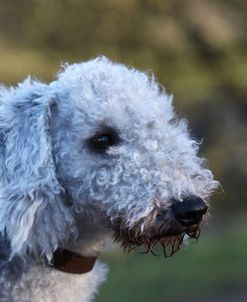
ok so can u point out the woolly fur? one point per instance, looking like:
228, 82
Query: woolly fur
56, 192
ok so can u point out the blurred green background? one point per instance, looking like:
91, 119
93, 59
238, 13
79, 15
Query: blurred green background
197, 50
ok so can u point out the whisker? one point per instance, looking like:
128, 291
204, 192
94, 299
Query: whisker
153, 253
131, 239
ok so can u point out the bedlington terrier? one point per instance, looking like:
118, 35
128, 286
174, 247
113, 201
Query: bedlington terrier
96, 155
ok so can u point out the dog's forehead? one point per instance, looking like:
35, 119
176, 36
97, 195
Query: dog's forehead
113, 92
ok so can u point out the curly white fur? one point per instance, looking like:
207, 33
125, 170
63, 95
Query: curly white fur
56, 192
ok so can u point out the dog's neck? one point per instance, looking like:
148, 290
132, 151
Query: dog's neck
80, 258
55, 286
70, 262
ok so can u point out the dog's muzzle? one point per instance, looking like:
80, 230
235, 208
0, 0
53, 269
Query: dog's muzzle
169, 227
186, 216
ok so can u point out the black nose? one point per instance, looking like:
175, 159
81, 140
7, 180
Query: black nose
190, 210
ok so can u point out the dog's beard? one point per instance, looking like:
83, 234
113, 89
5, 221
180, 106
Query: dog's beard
170, 241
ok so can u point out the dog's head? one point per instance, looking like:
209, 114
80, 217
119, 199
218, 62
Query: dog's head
98, 149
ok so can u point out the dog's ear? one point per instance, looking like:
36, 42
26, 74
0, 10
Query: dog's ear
32, 214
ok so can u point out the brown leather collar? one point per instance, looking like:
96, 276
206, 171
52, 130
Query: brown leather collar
70, 262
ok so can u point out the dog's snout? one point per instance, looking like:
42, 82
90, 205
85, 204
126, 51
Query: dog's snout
190, 210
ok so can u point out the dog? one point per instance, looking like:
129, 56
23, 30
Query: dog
96, 155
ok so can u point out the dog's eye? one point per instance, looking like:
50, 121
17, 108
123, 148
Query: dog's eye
100, 142
103, 141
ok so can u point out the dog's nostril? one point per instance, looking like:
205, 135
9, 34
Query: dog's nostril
189, 211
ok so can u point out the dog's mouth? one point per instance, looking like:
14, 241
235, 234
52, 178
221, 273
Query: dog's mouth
170, 240
164, 227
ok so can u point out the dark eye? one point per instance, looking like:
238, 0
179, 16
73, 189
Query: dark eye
101, 141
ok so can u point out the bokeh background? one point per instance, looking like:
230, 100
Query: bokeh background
197, 50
